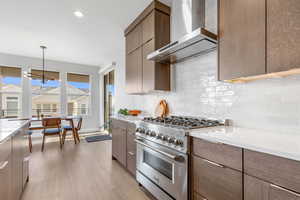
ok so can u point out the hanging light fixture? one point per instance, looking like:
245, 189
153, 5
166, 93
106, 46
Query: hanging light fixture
43, 77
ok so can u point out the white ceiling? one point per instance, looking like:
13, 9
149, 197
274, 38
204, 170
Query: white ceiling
97, 39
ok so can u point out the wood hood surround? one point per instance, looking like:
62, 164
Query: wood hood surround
258, 39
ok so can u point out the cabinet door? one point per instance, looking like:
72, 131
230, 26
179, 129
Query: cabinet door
148, 67
256, 189
215, 182
283, 35
148, 27
114, 133
131, 149
5, 177
17, 166
156, 76
119, 143
241, 38
134, 71
134, 39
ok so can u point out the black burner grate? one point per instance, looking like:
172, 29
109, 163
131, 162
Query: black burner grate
183, 122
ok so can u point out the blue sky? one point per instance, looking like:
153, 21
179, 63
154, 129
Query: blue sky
17, 81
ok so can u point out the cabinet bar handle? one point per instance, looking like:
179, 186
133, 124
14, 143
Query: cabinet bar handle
213, 163
4, 164
283, 189
131, 153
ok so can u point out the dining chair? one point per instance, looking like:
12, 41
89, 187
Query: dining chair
52, 126
74, 131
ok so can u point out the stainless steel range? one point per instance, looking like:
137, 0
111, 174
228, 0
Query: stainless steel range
162, 154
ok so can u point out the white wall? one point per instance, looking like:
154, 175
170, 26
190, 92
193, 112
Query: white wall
90, 122
268, 104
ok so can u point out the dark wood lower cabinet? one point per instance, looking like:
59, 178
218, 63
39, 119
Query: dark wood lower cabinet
123, 144
131, 149
5, 178
196, 196
14, 164
256, 189
216, 182
119, 144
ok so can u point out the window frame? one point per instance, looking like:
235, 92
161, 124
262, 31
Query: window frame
89, 102
18, 94
32, 93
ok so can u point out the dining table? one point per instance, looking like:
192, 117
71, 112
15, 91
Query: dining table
69, 119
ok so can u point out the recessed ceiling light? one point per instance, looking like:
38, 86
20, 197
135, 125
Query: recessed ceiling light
78, 14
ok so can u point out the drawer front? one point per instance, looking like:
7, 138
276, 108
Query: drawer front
5, 149
220, 153
273, 169
215, 182
256, 189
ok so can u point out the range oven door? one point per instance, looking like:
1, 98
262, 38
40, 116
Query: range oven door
164, 167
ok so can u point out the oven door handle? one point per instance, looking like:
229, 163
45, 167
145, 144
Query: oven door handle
173, 157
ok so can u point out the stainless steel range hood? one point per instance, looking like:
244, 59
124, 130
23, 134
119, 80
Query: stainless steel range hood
198, 41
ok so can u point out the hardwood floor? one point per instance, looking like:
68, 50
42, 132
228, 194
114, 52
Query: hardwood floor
79, 172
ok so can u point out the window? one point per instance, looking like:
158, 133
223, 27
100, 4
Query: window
54, 108
45, 97
10, 92
83, 109
78, 94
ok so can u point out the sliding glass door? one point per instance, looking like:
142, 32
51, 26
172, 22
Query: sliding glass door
109, 93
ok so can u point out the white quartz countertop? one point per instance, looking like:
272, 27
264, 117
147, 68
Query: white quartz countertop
285, 145
128, 118
8, 127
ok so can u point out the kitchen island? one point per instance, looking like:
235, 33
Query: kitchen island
14, 158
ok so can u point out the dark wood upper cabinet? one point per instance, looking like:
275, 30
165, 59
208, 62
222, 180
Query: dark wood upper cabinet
148, 27
147, 33
156, 76
283, 35
241, 38
134, 39
134, 71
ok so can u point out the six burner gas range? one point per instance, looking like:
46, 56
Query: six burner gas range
162, 154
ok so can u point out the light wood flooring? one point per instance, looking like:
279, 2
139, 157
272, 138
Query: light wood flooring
79, 172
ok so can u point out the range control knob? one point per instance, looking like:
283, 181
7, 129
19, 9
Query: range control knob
171, 140
142, 130
159, 136
153, 134
178, 142
138, 130
148, 132
164, 137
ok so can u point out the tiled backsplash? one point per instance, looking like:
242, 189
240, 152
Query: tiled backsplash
267, 104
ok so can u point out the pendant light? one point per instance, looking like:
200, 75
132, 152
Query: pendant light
43, 77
